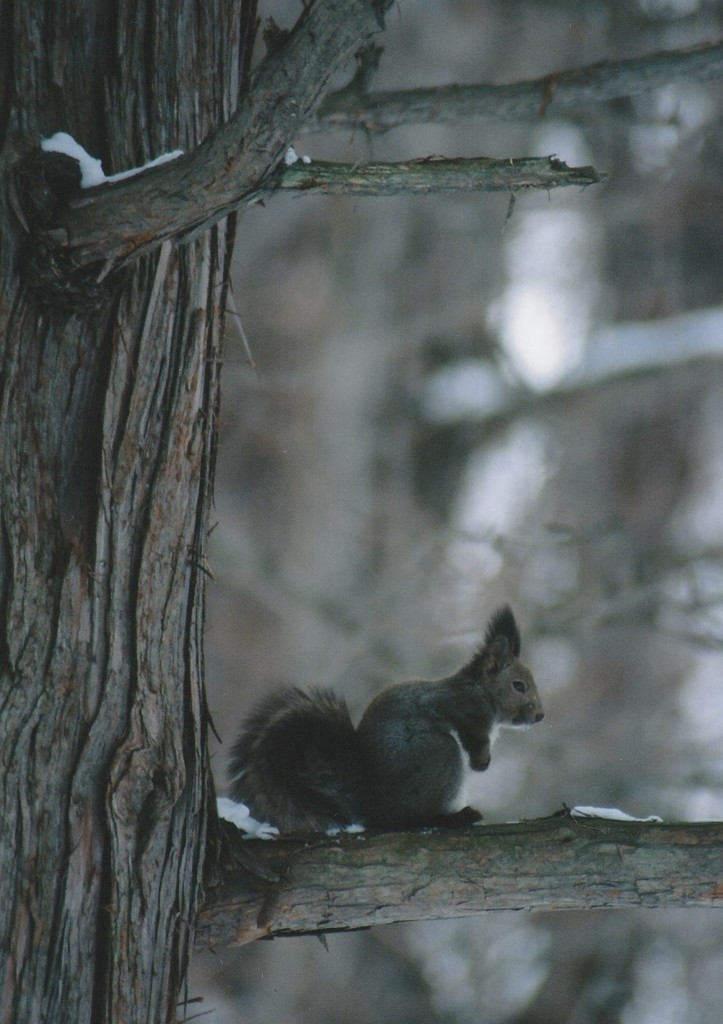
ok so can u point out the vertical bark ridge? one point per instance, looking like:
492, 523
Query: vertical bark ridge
107, 420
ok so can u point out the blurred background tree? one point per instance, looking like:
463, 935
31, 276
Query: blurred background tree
447, 410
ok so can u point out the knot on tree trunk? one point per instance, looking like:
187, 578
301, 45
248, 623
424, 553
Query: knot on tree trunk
42, 184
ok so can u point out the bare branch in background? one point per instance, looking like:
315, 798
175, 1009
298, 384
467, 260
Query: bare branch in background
556, 93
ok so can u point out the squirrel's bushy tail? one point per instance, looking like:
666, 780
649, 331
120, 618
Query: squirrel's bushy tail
297, 764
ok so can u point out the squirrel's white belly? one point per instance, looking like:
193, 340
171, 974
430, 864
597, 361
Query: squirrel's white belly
459, 800
462, 796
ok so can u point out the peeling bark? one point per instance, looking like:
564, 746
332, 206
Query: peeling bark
319, 884
107, 434
109, 387
420, 177
237, 164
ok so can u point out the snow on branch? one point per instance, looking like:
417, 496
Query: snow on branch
91, 169
238, 164
177, 196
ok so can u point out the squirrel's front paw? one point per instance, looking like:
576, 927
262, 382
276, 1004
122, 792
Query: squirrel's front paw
467, 816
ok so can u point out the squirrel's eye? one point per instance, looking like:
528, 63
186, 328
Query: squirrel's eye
519, 685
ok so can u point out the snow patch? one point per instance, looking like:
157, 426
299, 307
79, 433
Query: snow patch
91, 169
292, 157
164, 158
611, 813
240, 816
351, 829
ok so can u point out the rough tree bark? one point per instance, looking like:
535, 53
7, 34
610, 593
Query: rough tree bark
292, 887
108, 395
106, 443
418, 177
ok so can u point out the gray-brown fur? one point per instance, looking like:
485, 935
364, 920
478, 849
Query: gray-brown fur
296, 762
300, 764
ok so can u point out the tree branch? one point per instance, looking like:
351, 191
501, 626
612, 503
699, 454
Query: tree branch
355, 881
556, 93
239, 162
435, 175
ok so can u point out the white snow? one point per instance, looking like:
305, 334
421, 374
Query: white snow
164, 158
351, 829
611, 813
91, 169
291, 157
470, 388
544, 315
240, 816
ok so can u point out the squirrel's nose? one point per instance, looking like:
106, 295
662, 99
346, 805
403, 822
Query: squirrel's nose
539, 716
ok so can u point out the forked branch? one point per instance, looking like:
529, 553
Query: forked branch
238, 163
242, 162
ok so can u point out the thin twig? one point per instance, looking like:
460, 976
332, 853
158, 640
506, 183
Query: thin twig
232, 308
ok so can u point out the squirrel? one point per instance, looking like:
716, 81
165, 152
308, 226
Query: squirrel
300, 764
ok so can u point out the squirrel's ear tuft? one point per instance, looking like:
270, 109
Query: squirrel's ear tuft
502, 623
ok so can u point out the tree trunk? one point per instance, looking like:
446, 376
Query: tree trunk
109, 384
106, 460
